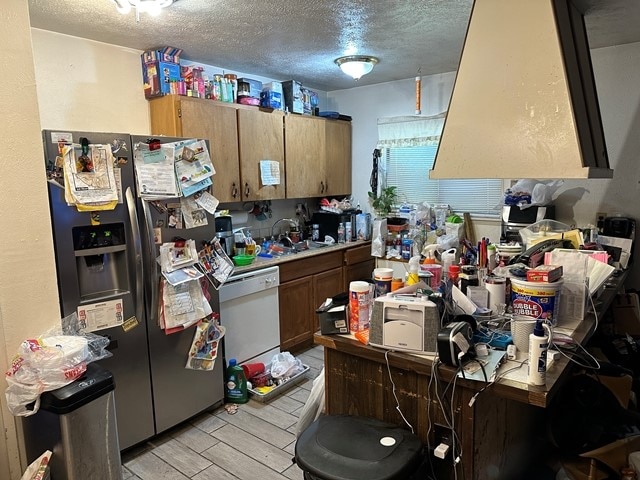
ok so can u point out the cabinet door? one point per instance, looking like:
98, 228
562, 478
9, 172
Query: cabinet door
358, 271
295, 299
338, 157
217, 123
260, 137
326, 284
304, 148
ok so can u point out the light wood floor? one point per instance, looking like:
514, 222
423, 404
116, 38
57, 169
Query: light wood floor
257, 442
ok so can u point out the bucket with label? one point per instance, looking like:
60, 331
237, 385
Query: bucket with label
382, 278
536, 299
360, 303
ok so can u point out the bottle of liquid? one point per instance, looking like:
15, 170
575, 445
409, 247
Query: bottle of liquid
235, 387
341, 233
348, 232
538, 345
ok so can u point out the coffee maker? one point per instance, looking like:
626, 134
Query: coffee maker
224, 232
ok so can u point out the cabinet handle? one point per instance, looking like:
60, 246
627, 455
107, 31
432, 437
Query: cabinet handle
321, 187
234, 190
246, 189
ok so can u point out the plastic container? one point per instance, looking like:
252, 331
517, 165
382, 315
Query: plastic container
235, 387
360, 306
341, 233
436, 274
382, 278
453, 273
536, 300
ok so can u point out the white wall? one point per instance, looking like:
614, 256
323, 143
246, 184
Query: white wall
28, 287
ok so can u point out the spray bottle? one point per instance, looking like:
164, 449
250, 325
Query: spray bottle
538, 345
414, 266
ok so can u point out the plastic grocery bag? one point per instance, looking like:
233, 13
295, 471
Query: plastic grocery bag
39, 469
285, 365
314, 406
50, 361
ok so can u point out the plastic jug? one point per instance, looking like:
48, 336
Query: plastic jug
235, 387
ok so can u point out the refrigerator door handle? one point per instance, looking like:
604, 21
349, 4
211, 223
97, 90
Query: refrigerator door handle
152, 289
137, 245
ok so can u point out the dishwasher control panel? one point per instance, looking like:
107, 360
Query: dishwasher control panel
249, 282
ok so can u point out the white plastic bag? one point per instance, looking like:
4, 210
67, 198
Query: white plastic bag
314, 406
39, 469
285, 365
50, 361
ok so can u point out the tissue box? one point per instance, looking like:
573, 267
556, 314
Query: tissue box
335, 320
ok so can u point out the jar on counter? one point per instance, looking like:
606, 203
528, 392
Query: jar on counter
315, 232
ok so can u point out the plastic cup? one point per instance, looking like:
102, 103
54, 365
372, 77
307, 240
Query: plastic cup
252, 369
436, 274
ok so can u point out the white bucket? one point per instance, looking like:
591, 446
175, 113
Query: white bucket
536, 299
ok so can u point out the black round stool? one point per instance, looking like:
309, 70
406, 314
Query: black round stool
344, 447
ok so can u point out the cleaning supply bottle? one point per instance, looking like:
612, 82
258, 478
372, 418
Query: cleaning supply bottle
414, 265
235, 387
538, 345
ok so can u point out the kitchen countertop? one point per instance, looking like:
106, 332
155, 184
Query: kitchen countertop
262, 262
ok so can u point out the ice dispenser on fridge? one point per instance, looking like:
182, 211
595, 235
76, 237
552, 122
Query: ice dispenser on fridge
101, 261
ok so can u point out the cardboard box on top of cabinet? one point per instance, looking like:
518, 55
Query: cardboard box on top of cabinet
158, 77
270, 99
164, 54
253, 87
293, 96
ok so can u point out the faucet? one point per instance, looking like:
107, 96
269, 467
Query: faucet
292, 223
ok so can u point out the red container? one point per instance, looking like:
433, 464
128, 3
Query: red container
252, 369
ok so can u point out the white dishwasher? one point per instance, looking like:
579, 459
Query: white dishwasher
249, 311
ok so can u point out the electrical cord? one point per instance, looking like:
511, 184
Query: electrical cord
449, 424
386, 357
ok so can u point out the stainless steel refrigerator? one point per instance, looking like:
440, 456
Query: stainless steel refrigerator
111, 255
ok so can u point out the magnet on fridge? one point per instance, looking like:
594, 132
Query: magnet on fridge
157, 236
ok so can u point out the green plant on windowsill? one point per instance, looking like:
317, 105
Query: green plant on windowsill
383, 204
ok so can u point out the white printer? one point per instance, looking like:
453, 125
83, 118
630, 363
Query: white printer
402, 322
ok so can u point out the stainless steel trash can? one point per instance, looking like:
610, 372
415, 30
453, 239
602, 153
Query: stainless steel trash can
78, 424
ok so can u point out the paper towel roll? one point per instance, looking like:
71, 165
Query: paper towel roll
496, 295
238, 218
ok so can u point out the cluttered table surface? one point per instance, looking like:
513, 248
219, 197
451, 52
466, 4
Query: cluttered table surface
511, 376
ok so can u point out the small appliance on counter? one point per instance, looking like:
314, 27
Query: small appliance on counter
329, 223
405, 323
224, 232
514, 218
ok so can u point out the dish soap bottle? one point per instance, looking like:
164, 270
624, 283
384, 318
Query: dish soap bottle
341, 233
538, 345
235, 387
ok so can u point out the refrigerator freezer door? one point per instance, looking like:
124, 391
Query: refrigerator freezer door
85, 278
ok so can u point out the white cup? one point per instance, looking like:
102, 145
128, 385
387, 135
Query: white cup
521, 328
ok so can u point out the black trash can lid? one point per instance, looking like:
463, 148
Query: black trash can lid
345, 447
95, 382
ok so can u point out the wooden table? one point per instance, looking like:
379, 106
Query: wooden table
497, 431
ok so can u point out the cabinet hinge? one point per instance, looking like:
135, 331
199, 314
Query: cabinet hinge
179, 112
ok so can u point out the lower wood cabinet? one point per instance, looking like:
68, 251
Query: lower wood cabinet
306, 283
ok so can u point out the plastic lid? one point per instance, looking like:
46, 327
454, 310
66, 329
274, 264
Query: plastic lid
232, 362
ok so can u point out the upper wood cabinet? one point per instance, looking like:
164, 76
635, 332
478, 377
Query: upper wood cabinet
338, 157
179, 116
318, 156
317, 151
260, 137
304, 145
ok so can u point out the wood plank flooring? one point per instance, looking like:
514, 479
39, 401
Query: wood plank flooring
257, 442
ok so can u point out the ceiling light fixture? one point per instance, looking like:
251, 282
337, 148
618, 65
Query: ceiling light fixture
356, 65
152, 7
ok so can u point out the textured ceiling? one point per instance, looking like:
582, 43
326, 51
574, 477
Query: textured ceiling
300, 39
